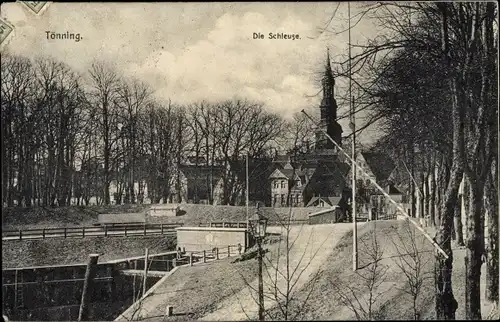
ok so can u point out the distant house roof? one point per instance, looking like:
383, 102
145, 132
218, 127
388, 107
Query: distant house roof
285, 173
281, 158
380, 164
192, 172
392, 190
331, 201
192, 160
259, 169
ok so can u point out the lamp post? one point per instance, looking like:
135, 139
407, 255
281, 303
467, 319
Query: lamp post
258, 225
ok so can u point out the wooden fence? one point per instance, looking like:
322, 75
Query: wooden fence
91, 231
243, 224
208, 255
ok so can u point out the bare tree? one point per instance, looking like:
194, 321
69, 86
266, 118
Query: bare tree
283, 273
361, 300
105, 85
132, 98
412, 259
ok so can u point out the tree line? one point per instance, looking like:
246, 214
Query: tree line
430, 83
68, 135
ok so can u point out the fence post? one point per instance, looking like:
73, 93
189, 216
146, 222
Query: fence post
204, 256
161, 226
125, 231
20, 234
87, 287
191, 259
228, 251
65, 232
43, 233
174, 262
83, 232
145, 279
15, 293
144, 229
105, 231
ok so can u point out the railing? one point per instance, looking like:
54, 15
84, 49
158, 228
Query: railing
92, 231
208, 255
224, 224
243, 224
286, 222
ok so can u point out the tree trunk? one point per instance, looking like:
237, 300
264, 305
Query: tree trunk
475, 246
446, 305
492, 262
423, 197
432, 196
178, 161
459, 236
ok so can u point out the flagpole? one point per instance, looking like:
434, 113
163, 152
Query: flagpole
353, 128
247, 185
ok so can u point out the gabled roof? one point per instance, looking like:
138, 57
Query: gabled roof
192, 172
281, 158
380, 164
285, 173
392, 190
331, 201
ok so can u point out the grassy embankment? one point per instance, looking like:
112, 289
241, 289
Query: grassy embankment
208, 285
394, 303
55, 251
193, 214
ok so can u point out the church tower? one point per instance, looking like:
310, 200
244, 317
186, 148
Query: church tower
328, 112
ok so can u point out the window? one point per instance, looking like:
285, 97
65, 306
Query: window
297, 183
321, 203
283, 200
275, 201
276, 184
283, 184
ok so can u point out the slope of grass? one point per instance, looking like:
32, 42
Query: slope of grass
323, 303
196, 291
55, 251
39, 217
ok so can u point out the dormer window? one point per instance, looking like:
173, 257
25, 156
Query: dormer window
297, 183
276, 184
283, 184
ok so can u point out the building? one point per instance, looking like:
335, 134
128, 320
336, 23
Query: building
378, 166
200, 184
259, 171
382, 169
321, 172
287, 186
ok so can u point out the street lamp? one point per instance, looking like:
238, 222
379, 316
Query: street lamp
258, 225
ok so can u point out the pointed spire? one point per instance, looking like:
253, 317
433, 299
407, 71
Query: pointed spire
328, 58
328, 67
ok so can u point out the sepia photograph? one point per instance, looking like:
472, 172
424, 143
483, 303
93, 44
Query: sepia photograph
237, 161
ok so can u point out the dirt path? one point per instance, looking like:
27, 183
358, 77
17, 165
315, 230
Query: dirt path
311, 240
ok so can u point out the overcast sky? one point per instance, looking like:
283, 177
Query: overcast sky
193, 51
